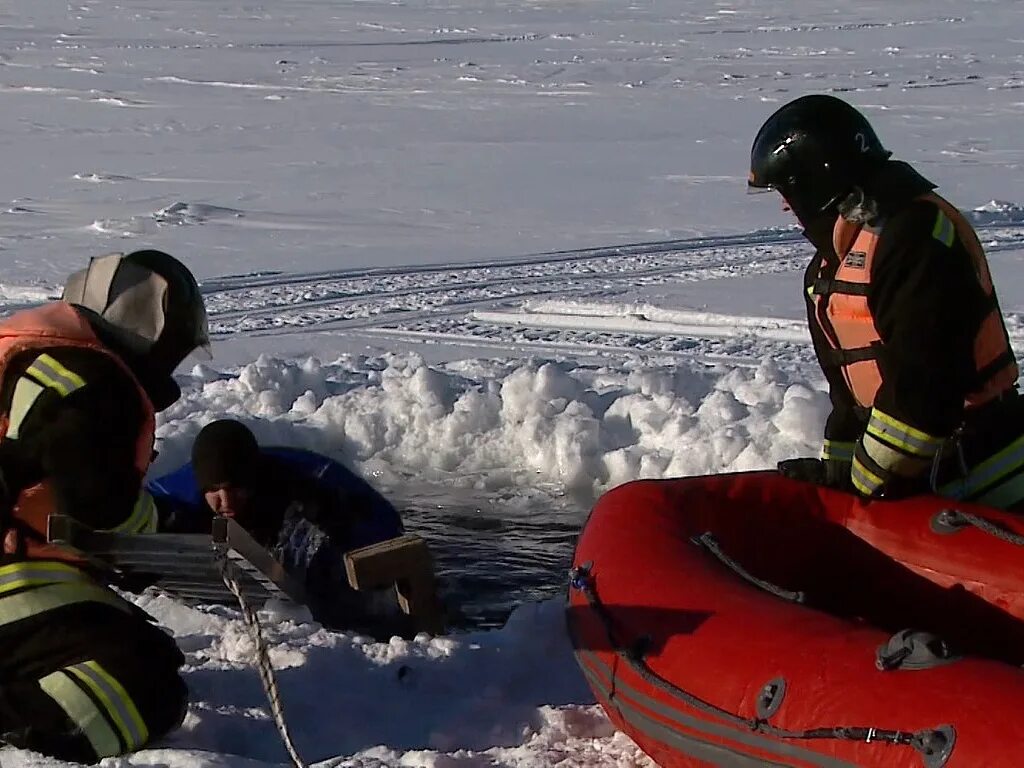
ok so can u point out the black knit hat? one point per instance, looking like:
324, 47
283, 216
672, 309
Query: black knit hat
225, 452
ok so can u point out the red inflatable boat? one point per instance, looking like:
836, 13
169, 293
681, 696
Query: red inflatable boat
751, 620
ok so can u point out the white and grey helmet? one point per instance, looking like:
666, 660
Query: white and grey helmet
148, 300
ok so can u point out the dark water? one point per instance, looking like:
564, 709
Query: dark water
494, 550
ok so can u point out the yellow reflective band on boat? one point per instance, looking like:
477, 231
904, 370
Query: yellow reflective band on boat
944, 231
26, 392
38, 573
837, 450
119, 705
32, 602
890, 460
143, 518
864, 480
54, 375
83, 712
902, 435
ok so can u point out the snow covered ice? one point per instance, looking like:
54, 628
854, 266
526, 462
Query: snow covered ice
485, 247
472, 699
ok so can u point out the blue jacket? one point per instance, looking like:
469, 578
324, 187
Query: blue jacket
314, 510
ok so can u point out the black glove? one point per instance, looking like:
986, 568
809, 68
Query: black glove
831, 473
837, 475
808, 470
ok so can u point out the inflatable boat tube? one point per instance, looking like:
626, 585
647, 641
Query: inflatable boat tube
753, 620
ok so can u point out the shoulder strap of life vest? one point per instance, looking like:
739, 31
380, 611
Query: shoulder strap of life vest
51, 326
855, 248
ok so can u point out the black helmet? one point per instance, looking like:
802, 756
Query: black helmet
148, 300
814, 150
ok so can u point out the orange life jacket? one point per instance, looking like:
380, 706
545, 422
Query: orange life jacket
843, 300
52, 326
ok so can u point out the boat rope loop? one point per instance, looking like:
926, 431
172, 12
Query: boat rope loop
934, 745
953, 520
263, 665
710, 543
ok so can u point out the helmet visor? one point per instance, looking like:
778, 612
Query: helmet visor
756, 186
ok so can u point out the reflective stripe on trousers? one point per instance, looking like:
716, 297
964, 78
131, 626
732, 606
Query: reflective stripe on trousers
998, 481
97, 703
93, 700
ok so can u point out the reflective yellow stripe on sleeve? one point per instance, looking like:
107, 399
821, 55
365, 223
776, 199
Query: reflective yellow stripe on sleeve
32, 602
83, 712
944, 231
121, 709
143, 518
836, 450
895, 447
893, 460
36, 573
54, 375
44, 373
898, 434
26, 392
864, 480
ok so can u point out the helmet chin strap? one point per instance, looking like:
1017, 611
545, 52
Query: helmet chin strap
858, 208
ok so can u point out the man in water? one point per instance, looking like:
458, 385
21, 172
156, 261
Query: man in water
305, 522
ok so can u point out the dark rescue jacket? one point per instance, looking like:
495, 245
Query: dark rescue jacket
910, 336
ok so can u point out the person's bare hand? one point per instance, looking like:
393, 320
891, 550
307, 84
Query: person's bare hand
11, 542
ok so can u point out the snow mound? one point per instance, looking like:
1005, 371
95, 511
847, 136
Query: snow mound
515, 422
174, 215
132, 227
27, 294
997, 212
98, 177
180, 214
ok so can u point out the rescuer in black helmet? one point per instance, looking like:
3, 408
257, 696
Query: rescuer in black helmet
903, 315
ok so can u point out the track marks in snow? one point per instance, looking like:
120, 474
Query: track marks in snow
572, 302
266, 302
650, 320
478, 304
